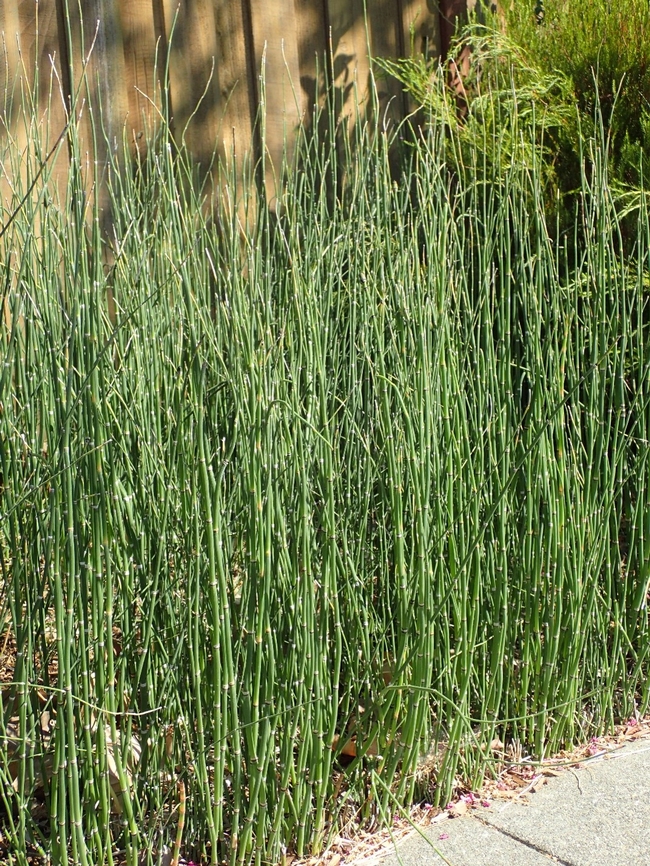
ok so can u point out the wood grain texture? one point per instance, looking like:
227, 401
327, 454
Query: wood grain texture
236, 79
450, 10
10, 34
144, 66
312, 28
100, 100
384, 25
194, 77
115, 53
105, 67
420, 28
31, 91
11, 38
420, 35
350, 60
275, 47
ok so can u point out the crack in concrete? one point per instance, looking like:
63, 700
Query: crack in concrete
530, 845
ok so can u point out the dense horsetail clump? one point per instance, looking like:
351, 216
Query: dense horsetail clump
370, 477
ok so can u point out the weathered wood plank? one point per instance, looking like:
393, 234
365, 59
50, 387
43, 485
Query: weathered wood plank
10, 63
49, 50
420, 28
194, 78
450, 10
236, 82
420, 34
99, 93
98, 49
350, 61
10, 97
144, 65
312, 29
216, 50
31, 101
384, 26
275, 46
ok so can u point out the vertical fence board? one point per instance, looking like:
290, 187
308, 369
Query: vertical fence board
236, 86
385, 38
275, 44
421, 28
144, 63
98, 79
10, 128
349, 47
106, 79
420, 34
10, 32
194, 77
10, 94
213, 51
30, 69
450, 10
52, 111
313, 38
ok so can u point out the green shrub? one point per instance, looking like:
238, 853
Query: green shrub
545, 78
499, 109
603, 48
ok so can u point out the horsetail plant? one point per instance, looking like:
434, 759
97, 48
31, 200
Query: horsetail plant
284, 510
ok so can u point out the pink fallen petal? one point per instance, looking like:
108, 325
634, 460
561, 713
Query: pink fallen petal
443, 836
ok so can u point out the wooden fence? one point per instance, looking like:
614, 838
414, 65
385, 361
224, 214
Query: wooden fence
219, 58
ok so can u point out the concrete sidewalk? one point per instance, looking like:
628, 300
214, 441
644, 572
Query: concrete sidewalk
598, 815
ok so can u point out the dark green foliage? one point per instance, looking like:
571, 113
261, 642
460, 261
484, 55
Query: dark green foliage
603, 48
546, 77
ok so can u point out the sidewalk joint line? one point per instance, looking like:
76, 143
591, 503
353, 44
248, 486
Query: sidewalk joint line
530, 845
